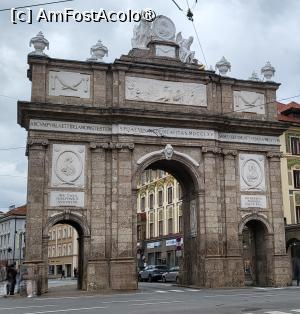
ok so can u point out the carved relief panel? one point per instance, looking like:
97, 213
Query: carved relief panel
245, 101
165, 51
144, 89
62, 83
68, 165
252, 172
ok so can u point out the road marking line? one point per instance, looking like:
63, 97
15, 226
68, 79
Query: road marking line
176, 290
70, 310
193, 290
126, 301
296, 310
91, 296
161, 291
277, 312
23, 307
151, 303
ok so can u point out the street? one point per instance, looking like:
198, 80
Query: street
158, 298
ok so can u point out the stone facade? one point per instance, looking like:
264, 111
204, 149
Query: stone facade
91, 145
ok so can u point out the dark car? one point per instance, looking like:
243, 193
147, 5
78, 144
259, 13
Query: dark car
152, 273
171, 274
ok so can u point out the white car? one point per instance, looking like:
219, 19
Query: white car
171, 274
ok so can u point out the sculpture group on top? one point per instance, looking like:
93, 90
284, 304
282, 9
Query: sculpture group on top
162, 29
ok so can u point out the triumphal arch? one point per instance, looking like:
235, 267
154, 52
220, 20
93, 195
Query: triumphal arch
94, 127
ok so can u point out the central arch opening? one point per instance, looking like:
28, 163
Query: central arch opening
167, 223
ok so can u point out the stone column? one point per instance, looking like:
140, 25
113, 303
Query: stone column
98, 264
234, 261
35, 257
213, 171
123, 258
282, 271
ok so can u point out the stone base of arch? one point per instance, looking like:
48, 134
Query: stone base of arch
282, 271
123, 274
35, 276
224, 272
113, 274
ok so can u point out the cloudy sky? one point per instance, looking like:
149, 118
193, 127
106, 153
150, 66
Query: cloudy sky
247, 33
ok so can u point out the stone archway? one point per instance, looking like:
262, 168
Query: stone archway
257, 250
80, 225
186, 171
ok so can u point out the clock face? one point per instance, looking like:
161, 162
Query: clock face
163, 28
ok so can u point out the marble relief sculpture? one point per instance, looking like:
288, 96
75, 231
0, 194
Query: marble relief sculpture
162, 29
185, 53
141, 34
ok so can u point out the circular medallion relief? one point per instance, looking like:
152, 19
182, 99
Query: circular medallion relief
252, 173
68, 166
163, 28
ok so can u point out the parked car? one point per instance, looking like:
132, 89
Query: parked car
171, 274
152, 273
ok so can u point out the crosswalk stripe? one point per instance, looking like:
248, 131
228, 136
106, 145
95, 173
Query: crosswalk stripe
296, 310
161, 291
277, 312
176, 290
192, 290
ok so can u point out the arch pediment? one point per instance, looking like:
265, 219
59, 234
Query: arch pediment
168, 152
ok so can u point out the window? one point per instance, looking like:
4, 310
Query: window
70, 249
65, 233
143, 203
152, 175
53, 235
51, 270
297, 179
151, 201
151, 230
170, 194
53, 251
298, 214
170, 225
59, 251
160, 198
64, 250
295, 145
160, 228
139, 232
180, 224
179, 192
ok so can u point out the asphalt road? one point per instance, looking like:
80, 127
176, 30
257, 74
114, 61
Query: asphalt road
158, 298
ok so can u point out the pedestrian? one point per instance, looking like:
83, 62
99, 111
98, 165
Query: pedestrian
11, 278
62, 274
297, 269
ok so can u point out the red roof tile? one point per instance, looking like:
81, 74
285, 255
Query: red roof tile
288, 112
19, 211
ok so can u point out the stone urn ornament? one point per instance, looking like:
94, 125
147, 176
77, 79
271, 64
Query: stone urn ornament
223, 66
39, 43
254, 77
98, 52
268, 71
